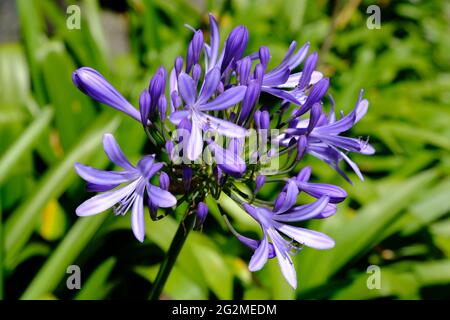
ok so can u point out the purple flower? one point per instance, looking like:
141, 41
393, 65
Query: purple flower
274, 224
129, 196
94, 85
323, 136
197, 106
280, 77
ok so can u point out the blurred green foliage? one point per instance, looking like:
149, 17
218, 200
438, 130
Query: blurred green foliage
397, 219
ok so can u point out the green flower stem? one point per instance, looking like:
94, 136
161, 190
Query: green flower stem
178, 241
1, 251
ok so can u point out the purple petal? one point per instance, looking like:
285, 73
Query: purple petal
144, 106
106, 200
302, 145
329, 210
304, 174
195, 143
101, 177
346, 143
264, 56
304, 212
137, 215
187, 177
243, 70
306, 237
160, 197
259, 181
194, 49
223, 127
276, 78
250, 100
93, 84
178, 65
173, 89
291, 197
316, 112
251, 243
215, 41
196, 73
164, 181
281, 94
361, 109
318, 91
186, 87
115, 153
92, 187
212, 79
177, 116
202, 212
226, 99
310, 65
353, 165
298, 57
260, 256
226, 160
145, 164
284, 260
317, 190
234, 46
287, 56
292, 81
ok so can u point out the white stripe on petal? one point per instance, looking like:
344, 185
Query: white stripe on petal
137, 215
306, 237
195, 143
223, 127
104, 201
284, 260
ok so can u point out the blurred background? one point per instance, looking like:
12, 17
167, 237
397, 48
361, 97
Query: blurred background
397, 219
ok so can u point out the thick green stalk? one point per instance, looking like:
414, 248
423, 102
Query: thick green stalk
178, 241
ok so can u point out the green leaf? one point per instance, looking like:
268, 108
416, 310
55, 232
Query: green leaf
54, 269
20, 225
24, 144
359, 233
179, 286
97, 287
73, 110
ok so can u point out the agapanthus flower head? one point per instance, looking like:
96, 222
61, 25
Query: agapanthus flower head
228, 123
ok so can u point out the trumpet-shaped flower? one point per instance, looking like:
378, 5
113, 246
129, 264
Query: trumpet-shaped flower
136, 181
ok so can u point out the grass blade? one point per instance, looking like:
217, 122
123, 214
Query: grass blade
65, 254
20, 226
24, 143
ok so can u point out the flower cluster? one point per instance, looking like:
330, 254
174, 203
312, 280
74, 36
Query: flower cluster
220, 120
